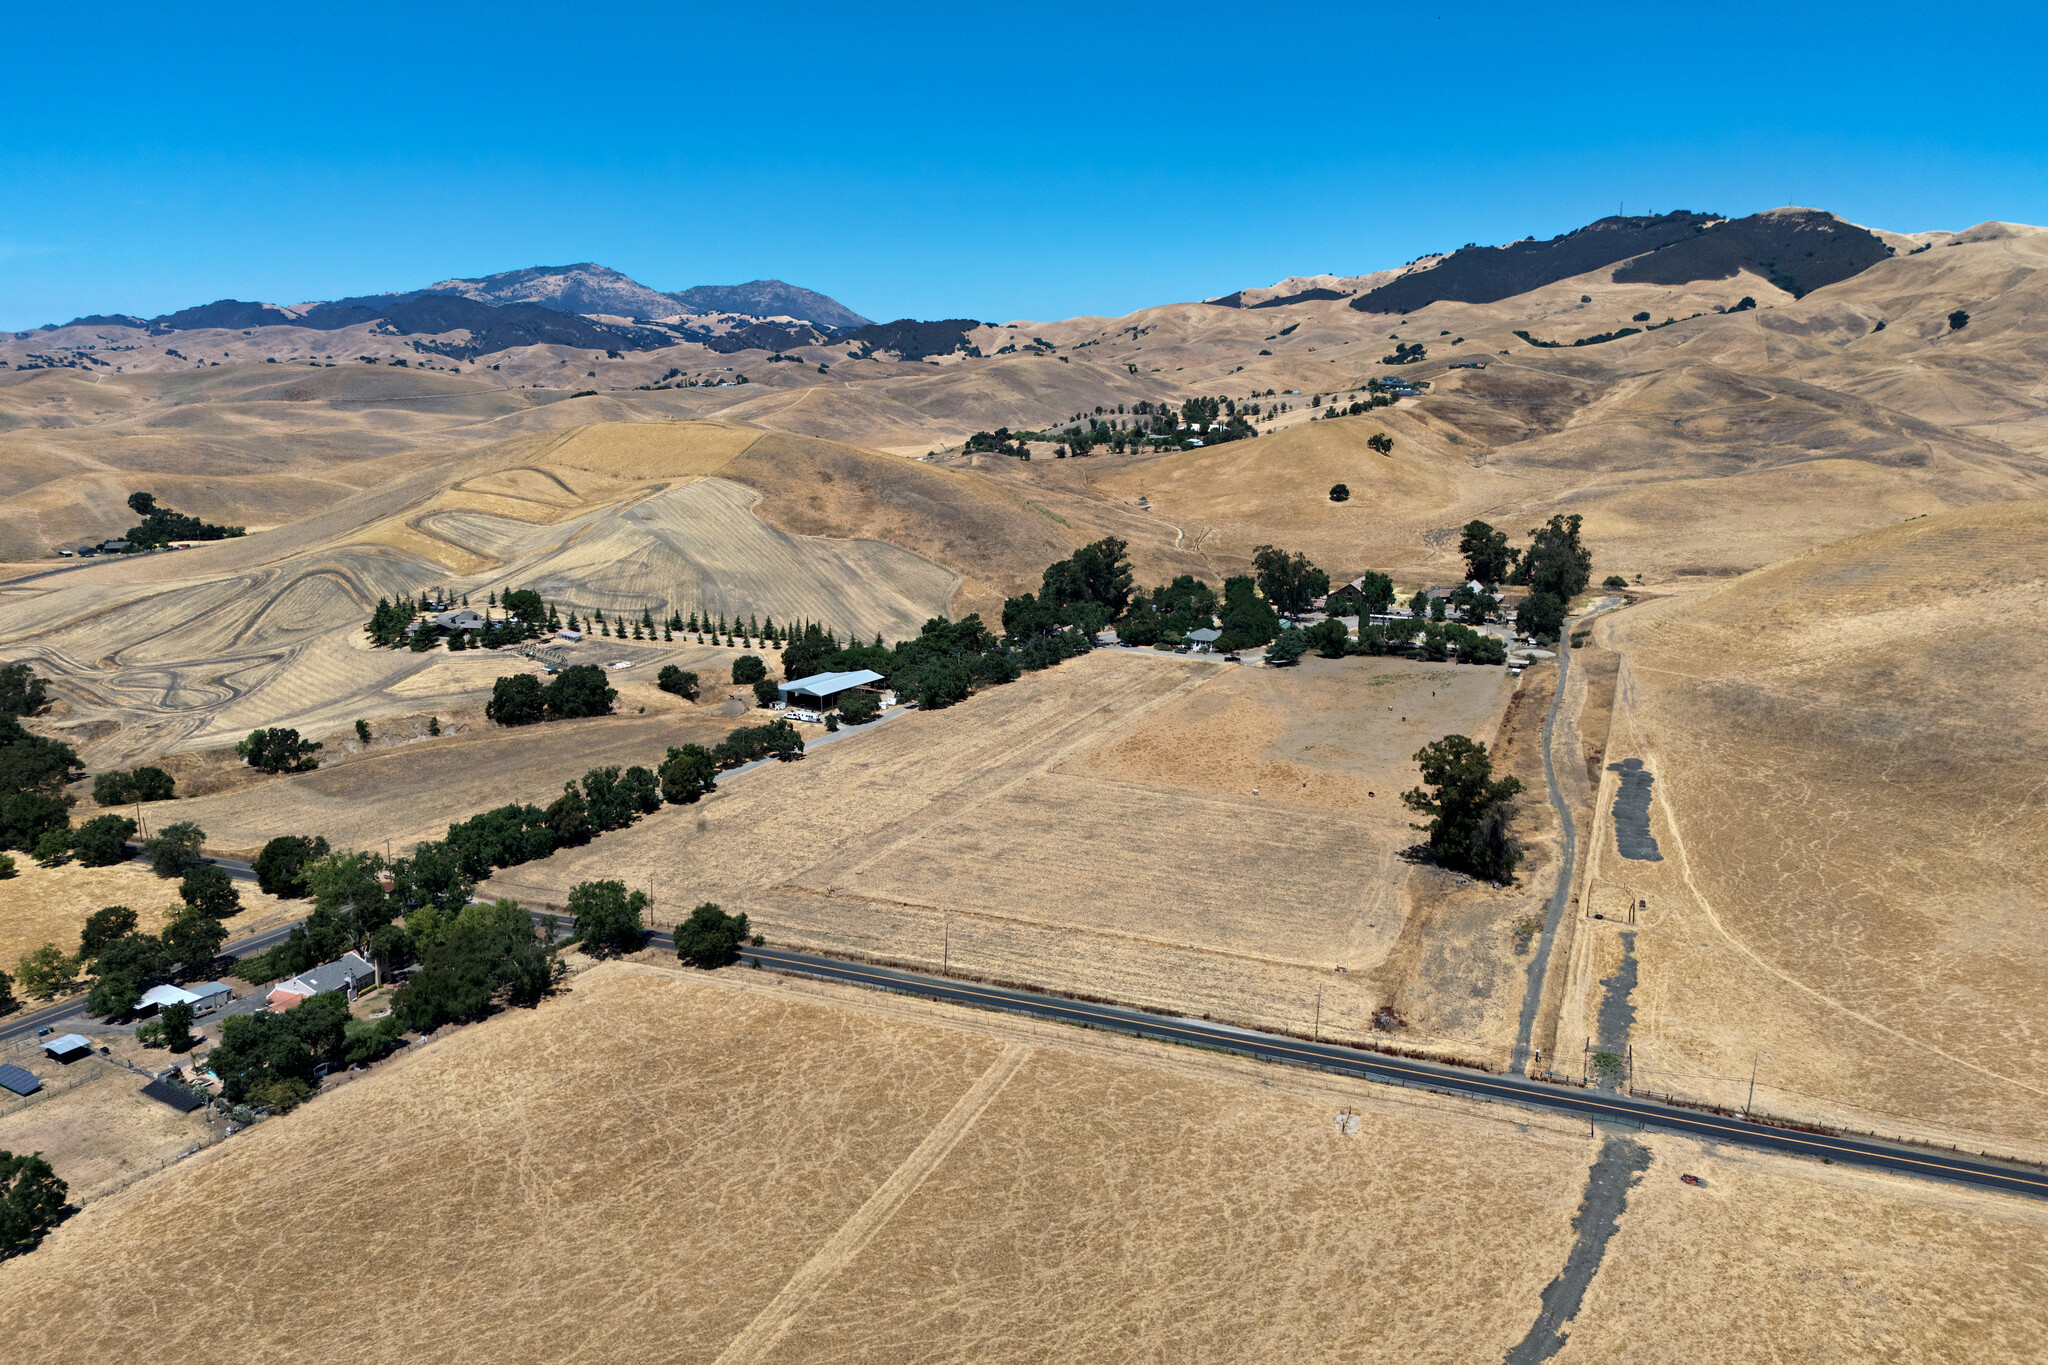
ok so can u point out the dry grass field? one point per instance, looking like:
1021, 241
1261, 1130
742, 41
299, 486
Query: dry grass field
1174, 832
94, 1124
413, 791
41, 905
660, 1163
1847, 750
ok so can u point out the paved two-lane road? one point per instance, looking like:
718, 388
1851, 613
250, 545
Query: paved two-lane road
1588, 1104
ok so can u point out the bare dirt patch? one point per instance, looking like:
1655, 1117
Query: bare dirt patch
94, 1124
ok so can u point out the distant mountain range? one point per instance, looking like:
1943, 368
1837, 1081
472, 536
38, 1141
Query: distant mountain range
592, 288
594, 307
577, 291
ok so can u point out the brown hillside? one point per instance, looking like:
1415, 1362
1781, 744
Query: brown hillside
1847, 748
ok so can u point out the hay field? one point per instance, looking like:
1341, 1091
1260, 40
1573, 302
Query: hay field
1091, 828
41, 905
739, 1168
1847, 750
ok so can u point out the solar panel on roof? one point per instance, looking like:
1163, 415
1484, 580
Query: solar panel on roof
18, 1079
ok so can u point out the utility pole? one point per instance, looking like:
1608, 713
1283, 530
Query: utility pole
1746, 1104
946, 960
1319, 1014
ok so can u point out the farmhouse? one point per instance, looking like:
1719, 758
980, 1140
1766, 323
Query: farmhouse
1345, 597
347, 974
1203, 641
464, 619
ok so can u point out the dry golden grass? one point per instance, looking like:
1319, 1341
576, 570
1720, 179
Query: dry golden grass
735, 1168
1846, 749
408, 791
1782, 1260
41, 905
1049, 832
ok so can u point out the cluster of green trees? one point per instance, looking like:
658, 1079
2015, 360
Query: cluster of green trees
468, 959
1555, 567
22, 693
608, 798
405, 623
1165, 615
678, 681
1288, 581
160, 525
123, 962
618, 627
577, 691
32, 1199
1434, 641
1359, 407
278, 750
272, 1059
778, 739
1406, 353
137, 784
467, 955
1469, 809
608, 917
710, 938
33, 769
100, 842
281, 867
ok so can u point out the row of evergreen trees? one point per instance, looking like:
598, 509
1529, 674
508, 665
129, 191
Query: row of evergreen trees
394, 624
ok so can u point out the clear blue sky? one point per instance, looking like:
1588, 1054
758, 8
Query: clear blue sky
1014, 161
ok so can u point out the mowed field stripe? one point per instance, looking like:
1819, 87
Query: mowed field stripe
760, 1336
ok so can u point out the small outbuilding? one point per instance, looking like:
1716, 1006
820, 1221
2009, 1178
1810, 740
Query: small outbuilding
208, 996
156, 997
68, 1048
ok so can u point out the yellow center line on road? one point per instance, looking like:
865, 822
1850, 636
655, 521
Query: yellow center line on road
1475, 1082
